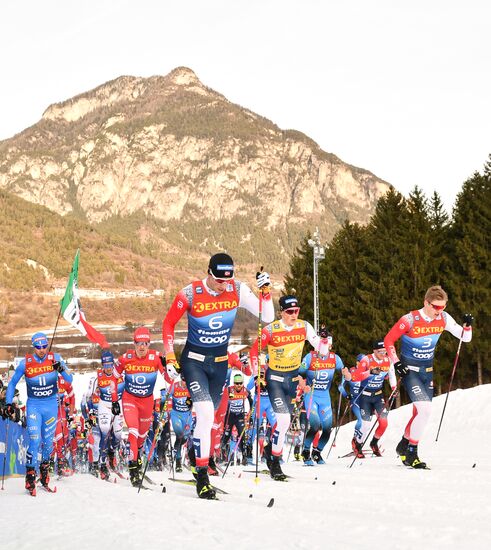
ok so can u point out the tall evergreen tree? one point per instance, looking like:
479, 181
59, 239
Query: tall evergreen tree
339, 289
470, 273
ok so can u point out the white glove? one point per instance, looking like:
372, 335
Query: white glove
173, 370
262, 279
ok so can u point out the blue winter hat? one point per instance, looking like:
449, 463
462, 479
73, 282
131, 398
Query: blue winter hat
39, 340
107, 357
360, 356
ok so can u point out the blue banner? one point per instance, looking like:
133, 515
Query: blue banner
14, 442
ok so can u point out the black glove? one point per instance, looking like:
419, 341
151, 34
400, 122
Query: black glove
189, 402
115, 408
375, 370
163, 361
58, 366
9, 410
401, 369
467, 319
323, 332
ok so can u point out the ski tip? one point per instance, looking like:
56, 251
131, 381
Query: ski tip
315, 478
164, 490
474, 465
270, 503
250, 496
334, 482
114, 480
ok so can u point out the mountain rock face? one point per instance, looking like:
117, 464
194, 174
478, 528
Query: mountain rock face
175, 150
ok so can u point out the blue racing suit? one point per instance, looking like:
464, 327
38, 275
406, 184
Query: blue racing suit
319, 371
42, 402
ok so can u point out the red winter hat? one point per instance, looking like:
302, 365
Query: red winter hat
142, 334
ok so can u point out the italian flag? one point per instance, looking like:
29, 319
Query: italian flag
71, 308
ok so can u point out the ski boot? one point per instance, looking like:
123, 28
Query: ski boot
275, 471
317, 457
374, 446
134, 470
296, 453
64, 469
307, 459
401, 448
31, 481
412, 460
192, 461
178, 465
245, 460
111, 459
357, 449
212, 467
44, 473
203, 487
94, 469
104, 472
267, 455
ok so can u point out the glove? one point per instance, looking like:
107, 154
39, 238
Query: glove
173, 369
115, 408
9, 410
323, 332
375, 370
401, 369
467, 319
163, 360
395, 392
263, 281
189, 402
58, 366
342, 391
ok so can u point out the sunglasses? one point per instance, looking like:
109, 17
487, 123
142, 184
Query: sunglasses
438, 308
41, 347
221, 281
292, 310
142, 343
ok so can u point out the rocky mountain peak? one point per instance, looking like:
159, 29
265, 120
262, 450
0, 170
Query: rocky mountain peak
176, 151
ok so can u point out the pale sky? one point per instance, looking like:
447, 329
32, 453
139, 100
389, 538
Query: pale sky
400, 88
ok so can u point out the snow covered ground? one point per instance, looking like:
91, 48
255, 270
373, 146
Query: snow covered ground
377, 504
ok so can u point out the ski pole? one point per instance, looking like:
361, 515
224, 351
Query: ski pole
157, 432
5, 450
451, 381
258, 381
392, 399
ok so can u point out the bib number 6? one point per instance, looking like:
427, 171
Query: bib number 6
215, 323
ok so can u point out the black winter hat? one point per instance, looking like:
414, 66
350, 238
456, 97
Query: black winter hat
221, 266
288, 301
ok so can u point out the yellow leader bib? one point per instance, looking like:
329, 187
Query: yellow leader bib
286, 346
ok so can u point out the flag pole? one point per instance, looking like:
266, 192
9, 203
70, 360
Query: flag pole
54, 331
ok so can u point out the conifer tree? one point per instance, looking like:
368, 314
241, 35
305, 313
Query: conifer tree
470, 273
